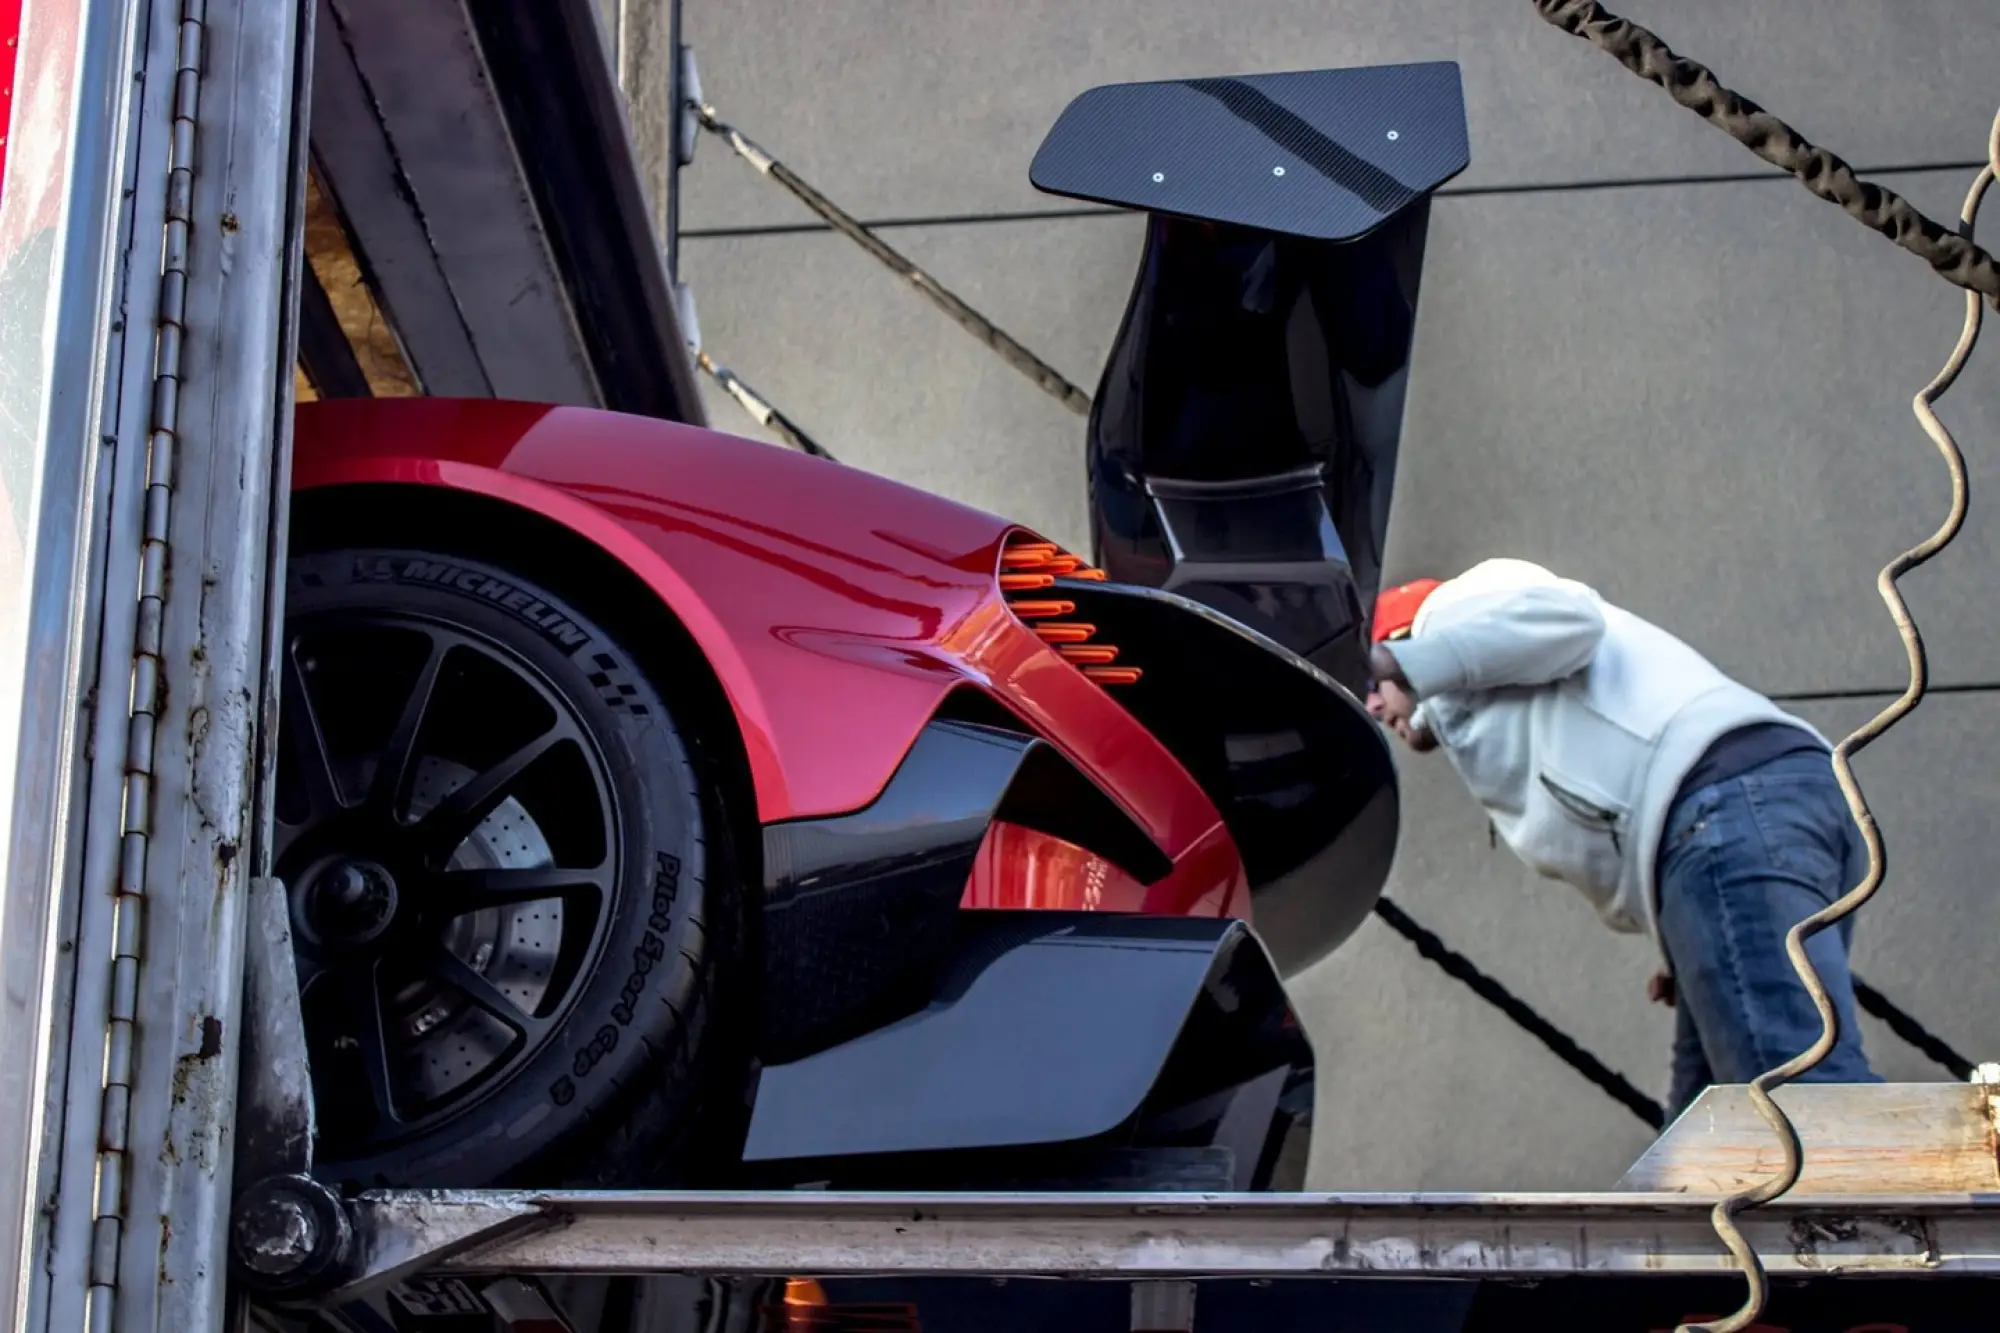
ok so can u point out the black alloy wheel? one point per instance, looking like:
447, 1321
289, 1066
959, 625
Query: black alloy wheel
497, 846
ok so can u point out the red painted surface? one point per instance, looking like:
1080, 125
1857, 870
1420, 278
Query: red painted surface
10, 63
837, 607
40, 62
1023, 868
37, 123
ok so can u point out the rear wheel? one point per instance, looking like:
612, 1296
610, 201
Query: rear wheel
510, 888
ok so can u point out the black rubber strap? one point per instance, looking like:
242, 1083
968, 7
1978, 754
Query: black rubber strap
1910, 1030
1608, 1080
1955, 258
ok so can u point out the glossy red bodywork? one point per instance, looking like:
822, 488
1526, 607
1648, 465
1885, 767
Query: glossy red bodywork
1024, 868
836, 607
10, 32
37, 130
37, 126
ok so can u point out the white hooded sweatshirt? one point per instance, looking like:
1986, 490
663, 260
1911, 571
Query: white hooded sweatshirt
1572, 721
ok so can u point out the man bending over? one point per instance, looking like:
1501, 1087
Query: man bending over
1612, 756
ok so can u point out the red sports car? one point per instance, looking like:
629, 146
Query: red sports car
662, 807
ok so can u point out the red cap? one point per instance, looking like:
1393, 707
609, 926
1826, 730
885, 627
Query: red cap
1396, 608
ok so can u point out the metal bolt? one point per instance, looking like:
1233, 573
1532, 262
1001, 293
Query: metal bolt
1277, 171
351, 901
1393, 136
1159, 176
290, 1234
274, 1236
347, 886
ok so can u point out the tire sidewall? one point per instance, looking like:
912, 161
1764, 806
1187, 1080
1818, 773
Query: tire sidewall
627, 1008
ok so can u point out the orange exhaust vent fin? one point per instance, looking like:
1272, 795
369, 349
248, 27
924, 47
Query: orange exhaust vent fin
804, 1291
1028, 567
1028, 553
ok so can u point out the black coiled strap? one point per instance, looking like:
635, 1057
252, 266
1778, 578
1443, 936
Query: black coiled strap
1955, 258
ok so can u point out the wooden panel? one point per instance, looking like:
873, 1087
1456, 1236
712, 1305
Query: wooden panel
330, 252
1884, 1138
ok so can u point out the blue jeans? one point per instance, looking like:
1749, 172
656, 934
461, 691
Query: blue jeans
1742, 861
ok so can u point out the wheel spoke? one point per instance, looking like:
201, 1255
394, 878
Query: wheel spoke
454, 818
399, 754
301, 723
458, 892
361, 996
453, 971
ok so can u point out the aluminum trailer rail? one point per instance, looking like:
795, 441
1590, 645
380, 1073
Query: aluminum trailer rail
1153, 1236
1899, 1190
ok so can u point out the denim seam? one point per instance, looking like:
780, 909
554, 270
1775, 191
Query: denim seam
1757, 800
1731, 952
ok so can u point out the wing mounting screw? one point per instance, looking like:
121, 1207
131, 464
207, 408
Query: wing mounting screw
1394, 135
1159, 176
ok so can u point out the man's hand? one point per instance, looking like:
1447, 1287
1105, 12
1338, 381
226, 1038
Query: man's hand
1660, 990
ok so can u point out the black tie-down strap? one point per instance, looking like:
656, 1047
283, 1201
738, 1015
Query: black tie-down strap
1955, 257
1608, 1080
1009, 349
1565, 1048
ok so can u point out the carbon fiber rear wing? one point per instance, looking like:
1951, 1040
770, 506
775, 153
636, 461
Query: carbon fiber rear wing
1329, 155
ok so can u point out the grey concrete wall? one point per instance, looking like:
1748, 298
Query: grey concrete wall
1688, 387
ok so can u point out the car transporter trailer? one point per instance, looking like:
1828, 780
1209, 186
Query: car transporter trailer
166, 246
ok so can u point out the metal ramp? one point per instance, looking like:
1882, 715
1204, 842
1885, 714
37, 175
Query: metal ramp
1899, 1185
1249, 1262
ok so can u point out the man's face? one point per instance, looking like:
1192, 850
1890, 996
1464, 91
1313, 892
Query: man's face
1391, 705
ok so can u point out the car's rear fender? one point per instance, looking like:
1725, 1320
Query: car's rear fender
748, 551
837, 609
